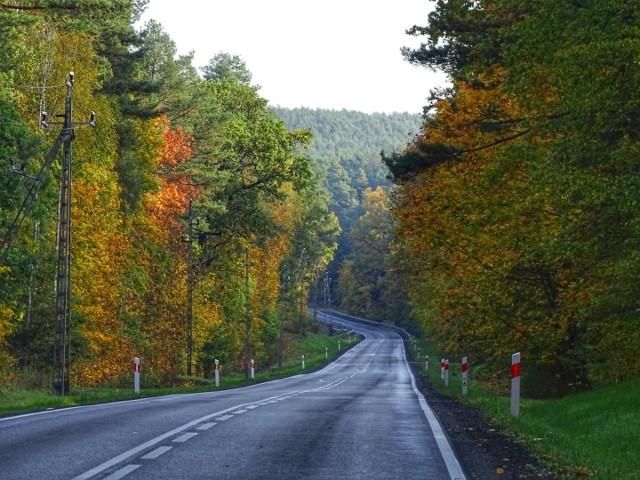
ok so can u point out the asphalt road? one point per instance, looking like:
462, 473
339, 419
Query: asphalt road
361, 417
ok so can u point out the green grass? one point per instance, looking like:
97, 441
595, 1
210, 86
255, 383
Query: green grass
592, 435
312, 346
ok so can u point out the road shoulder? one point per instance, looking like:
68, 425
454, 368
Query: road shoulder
482, 449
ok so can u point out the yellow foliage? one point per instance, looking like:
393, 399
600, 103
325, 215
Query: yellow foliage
5, 324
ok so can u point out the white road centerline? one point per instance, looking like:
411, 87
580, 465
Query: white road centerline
184, 437
152, 455
206, 426
150, 443
124, 471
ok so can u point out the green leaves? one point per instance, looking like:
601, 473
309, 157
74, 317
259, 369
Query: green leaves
252, 156
528, 240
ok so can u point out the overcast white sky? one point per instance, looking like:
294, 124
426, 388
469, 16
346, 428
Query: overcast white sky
330, 54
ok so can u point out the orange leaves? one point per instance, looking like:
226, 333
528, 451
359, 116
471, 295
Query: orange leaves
476, 116
457, 218
172, 198
177, 145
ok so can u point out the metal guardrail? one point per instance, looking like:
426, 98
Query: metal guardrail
384, 324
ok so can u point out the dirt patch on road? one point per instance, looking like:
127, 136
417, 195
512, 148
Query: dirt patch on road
482, 449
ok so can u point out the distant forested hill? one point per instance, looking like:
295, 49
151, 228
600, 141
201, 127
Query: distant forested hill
346, 151
350, 134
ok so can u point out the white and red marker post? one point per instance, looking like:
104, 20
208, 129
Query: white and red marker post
426, 362
446, 372
252, 368
136, 375
216, 372
442, 368
515, 384
303, 362
465, 375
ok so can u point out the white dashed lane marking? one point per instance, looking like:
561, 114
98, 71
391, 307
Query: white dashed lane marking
156, 453
185, 437
206, 426
122, 472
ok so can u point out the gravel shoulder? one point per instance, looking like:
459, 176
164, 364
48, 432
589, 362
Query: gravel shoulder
483, 450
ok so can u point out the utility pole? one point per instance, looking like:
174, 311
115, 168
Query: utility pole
315, 293
190, 284
62, 354
62, 351
247, 313
283, 286
326, 288
301, 283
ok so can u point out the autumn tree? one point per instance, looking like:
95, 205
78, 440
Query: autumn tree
514, 199
361, 280
163, 137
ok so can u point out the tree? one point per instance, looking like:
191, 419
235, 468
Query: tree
223, 67
370, 236
163, 136
515, 200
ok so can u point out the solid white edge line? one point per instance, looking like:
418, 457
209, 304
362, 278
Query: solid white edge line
450, 460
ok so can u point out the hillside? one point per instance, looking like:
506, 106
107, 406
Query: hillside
350, 134
346, 151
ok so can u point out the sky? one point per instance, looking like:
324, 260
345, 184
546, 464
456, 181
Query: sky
329, 54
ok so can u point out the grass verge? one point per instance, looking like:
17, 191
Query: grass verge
590, 435
318, 350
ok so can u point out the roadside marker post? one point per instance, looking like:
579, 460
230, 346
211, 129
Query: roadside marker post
326, 352
442, 368
426, 362
136, 375
515, 384
216, 368
446, 372
303, 362
252, 368
465, 375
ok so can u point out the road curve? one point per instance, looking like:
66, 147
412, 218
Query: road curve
361, 417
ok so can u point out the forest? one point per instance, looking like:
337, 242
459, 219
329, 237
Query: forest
197, 222
517, 204
201, 218
504, 219
347, 151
